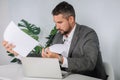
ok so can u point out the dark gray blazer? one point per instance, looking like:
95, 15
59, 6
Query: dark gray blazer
84, 54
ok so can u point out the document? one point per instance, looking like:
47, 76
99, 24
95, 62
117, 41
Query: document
22, 41
59, 48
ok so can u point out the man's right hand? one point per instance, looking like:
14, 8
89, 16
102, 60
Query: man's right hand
9, 47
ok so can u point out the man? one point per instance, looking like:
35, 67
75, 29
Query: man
83, 54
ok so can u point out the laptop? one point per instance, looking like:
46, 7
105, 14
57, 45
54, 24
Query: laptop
42, 67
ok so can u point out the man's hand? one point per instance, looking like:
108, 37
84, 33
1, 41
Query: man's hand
9, 47
46, 53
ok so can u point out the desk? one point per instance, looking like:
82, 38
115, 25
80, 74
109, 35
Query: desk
14, 71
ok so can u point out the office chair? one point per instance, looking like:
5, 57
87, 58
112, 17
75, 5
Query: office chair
109, 71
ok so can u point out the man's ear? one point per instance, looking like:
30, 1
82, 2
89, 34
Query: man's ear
71, 19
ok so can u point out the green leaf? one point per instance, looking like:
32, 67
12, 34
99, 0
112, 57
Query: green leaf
26, 24
12, 55
21, 25
53, 31
51, 36
30, 34
14, 60
34, 29
35, 37
27, 31
31, 27
38, 49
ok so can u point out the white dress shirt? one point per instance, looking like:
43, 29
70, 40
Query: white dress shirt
67, 42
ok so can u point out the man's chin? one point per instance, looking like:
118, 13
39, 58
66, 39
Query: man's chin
61, 32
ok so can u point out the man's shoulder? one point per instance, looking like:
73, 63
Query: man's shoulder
84, 27
85, 31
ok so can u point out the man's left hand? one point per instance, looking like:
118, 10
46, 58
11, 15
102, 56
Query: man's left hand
46, 53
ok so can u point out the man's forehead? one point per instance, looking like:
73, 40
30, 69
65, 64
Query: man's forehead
58, 18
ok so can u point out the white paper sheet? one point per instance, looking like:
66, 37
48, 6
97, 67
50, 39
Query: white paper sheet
59, 48
23, 42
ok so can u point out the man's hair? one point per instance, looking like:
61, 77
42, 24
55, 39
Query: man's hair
65, 9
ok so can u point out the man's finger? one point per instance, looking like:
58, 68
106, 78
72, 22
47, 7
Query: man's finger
43, 53
4, 43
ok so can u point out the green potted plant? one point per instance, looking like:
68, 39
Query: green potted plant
51, 36
33, 31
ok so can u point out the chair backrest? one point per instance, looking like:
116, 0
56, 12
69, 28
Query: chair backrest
109, 71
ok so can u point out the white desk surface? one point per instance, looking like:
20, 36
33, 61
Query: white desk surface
13, 71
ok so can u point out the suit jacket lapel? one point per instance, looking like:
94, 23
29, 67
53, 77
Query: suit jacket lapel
58, 39
74, 40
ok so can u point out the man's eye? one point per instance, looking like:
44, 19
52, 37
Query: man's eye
59, 22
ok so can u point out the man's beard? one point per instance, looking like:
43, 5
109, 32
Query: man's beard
65, 32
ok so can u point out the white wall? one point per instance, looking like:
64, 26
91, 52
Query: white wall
4, 19
101, 15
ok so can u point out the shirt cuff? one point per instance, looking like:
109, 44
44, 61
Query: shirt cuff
65, 62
